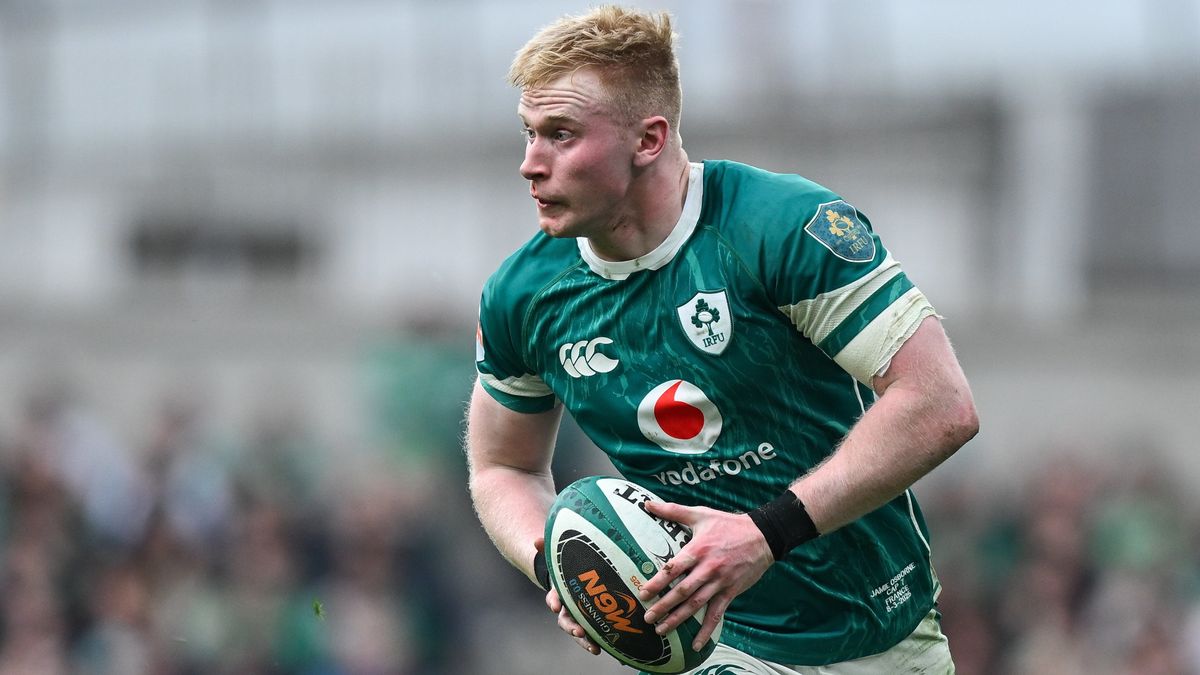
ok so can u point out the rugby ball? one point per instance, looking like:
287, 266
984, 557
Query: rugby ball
601, 546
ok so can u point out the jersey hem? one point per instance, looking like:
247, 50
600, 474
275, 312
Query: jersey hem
820, 653
521, 404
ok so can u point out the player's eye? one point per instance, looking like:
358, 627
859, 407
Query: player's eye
527, 134
563, 135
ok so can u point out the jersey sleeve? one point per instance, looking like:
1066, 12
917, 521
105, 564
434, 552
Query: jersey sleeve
499, 354
843, 290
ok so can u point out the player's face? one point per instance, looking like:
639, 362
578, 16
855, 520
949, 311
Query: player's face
578, 157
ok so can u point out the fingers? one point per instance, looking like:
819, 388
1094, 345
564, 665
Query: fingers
688, 603
712, 617
553, 602
680, 592
684, 605
682, 563
670, 511
675, 568
568, 624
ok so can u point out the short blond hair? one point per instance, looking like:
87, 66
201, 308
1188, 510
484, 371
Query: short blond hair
632, 51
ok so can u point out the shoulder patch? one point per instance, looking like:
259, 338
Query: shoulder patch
837, 227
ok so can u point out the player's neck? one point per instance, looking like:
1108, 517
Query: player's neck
655, 204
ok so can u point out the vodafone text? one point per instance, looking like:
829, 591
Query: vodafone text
693, 474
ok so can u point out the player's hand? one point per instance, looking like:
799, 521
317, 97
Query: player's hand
727, 555
565, 621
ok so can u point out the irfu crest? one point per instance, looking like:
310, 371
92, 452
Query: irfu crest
705, 316
838, 228
706, 321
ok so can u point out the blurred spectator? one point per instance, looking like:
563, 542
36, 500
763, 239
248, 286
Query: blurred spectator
100, 473
190, 470
116, 640
1083, 570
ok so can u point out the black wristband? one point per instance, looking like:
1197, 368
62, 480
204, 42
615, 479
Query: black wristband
540, 572
784, 523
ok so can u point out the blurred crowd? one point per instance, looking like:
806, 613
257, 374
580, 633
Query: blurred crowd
190, 546
1090, 565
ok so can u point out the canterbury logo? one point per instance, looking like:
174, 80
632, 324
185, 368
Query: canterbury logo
580, 359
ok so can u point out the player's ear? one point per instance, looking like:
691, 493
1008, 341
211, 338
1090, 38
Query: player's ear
653, 135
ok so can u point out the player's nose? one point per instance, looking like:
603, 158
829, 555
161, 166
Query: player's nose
534, 166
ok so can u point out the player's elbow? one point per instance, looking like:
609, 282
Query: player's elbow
960, 419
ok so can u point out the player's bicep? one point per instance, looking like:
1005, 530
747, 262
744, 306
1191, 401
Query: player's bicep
925, 363
500, 437
925, 378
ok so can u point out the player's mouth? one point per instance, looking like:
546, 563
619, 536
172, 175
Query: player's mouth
544, 203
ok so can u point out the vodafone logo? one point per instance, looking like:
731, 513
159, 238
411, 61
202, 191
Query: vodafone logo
679, 418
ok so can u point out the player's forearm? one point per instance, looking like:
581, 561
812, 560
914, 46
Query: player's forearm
512, 505
909, 431
508, 457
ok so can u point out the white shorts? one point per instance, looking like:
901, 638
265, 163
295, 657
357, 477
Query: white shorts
924, 651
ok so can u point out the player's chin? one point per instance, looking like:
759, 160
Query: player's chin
557, 226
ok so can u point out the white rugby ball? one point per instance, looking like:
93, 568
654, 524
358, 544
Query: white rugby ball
601, 546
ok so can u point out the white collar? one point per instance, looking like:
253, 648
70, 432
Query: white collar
664, 252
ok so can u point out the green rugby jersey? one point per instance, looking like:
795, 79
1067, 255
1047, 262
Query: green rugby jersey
720, 367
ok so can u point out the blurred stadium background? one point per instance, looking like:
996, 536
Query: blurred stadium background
241, 243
